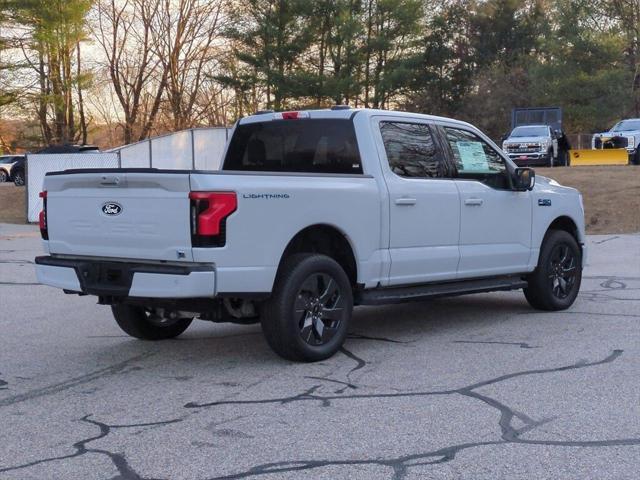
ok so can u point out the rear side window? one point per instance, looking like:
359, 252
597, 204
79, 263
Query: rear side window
411, 150
305, 145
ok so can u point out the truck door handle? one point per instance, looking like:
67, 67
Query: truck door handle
405, 201
473, 201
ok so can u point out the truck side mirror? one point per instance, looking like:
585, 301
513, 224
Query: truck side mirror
524, 179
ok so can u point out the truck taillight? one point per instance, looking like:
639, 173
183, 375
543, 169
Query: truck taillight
43, 216
209, 211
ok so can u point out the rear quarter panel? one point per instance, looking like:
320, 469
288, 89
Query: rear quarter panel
273, 208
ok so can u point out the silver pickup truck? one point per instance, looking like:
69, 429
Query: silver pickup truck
624, 134
312, 213
532, 145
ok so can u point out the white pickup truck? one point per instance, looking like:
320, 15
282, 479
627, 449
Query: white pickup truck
311, 214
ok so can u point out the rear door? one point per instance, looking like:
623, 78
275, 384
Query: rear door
141, 215
424, 203
495, 222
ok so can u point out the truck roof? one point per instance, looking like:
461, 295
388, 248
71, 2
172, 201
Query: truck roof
345, 113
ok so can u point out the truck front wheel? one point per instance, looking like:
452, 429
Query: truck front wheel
555, 282
552, 161
307, 317
144, 323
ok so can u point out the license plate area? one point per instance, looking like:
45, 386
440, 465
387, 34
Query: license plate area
105, 278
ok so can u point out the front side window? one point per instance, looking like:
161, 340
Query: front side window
305, 145
476, 159
411, 150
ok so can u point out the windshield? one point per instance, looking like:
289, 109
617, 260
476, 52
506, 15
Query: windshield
530, 132
626, 125
8, 159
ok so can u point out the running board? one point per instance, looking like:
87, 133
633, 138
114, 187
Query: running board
384, 296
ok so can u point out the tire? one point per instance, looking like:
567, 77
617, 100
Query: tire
555, 282
3, 176
141, 323
308, 315
18, 178
550, 160
635, 160
563, 159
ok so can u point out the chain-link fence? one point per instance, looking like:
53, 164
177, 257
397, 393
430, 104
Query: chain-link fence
194, 149
39, 164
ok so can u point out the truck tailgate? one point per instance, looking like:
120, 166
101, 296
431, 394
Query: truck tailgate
141, 215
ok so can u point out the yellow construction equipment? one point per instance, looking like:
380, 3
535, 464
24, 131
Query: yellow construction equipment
606, 156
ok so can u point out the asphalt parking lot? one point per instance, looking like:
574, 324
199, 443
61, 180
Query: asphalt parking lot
477, 387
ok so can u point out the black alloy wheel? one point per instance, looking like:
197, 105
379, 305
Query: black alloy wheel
308, 314
319, 308
555, 283
18, 179
563, 269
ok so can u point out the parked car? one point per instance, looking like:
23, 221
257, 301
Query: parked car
7, 164
18, 171
312, 213
624, 134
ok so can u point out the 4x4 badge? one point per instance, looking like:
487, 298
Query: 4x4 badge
112, 209
544, 202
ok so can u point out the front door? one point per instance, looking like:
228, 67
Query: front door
495, 221
423, 203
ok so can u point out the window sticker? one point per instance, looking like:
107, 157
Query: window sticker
472, 156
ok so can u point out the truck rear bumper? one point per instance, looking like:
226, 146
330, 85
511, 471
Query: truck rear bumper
127, 279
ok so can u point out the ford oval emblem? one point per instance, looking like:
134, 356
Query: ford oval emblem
112, 209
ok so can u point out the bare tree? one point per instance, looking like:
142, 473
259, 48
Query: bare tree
83, 119
125, 33
184, 33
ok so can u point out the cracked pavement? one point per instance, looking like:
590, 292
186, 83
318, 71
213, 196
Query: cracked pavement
478, 387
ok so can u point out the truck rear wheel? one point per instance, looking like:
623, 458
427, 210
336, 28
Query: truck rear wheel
143, 323
307, 317
555, 282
